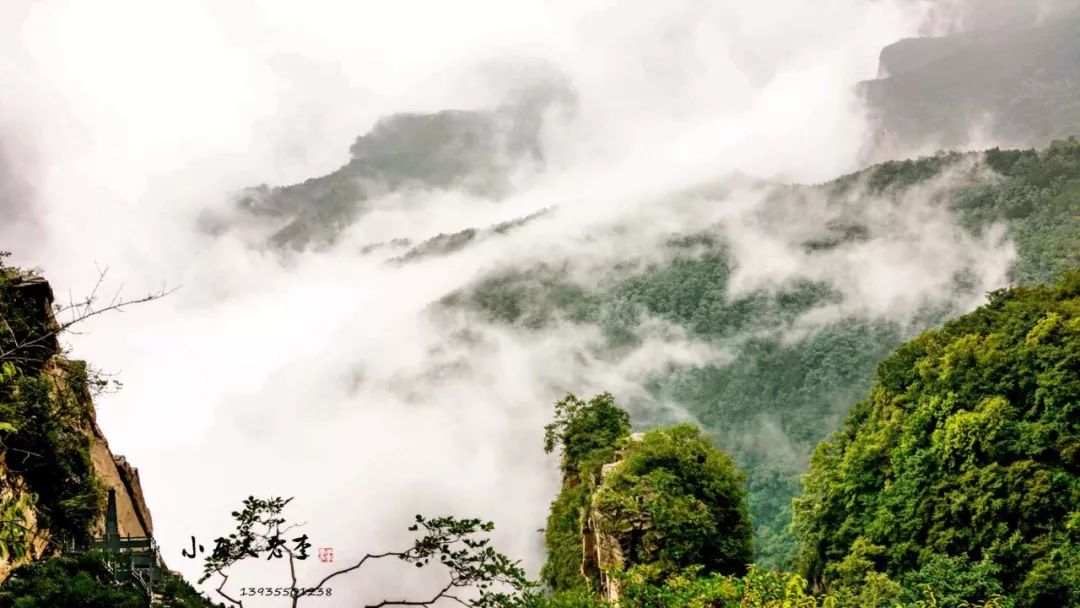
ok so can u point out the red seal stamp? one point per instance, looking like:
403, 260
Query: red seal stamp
326, 554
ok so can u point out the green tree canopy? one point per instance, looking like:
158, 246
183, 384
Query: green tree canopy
668, 497
963, 465
581, 429
85, 580
674, 500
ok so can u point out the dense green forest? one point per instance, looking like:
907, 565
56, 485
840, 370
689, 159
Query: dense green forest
1034, 193
943, 489
962, 467
956, 482
668, 498
776, 399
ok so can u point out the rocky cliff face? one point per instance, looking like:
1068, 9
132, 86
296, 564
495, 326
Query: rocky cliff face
603, 539
603, 551
24, 536
1015, 85
114, 472
22, 539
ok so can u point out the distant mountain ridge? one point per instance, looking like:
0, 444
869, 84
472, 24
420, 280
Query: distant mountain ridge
1020, 87
474, 150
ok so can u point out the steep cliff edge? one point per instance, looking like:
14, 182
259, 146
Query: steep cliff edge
642, 505
1016, 85
56, 466
603, 539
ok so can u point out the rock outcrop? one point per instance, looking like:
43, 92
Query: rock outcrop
21, 540
1015, 86
602, 546
23, 537
116, 473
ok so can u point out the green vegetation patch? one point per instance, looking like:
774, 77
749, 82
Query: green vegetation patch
962, 466
777, 398
44, 414
86, 580
668, 498
675, 501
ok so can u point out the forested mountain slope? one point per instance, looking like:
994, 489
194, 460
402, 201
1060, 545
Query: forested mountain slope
477, 151
962, 467
778, 395
794, 353
955, 483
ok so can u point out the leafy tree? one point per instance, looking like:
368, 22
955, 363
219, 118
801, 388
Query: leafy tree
86, 580
581, 429
674, 501
475, 574
668, 497
962, 467
758, 588
690, 588
586, 433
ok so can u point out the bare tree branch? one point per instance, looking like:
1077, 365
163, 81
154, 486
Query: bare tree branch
438, 596
79, 311
468, 560
356, 566
220, 590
